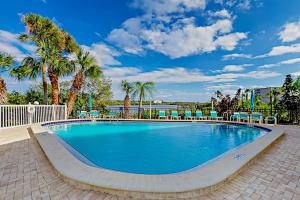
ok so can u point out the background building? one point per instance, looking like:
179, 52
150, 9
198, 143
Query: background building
265, 92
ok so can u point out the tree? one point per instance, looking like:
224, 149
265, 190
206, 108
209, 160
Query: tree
16, 98
54, 45
127, 88
100, 89
226, 103
142, 90
287, 100
273, 100
5, 62
88, 68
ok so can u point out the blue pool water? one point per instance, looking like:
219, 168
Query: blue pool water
153, 147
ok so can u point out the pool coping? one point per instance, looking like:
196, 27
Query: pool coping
189, 184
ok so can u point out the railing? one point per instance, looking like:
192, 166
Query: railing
18, 115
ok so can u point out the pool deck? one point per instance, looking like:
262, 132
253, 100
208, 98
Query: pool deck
25, 172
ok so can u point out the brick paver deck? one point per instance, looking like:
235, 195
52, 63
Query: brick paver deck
25, 173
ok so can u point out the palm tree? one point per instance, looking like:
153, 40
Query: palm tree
5, 62
127, 88
88, 68
52, 44
142, 90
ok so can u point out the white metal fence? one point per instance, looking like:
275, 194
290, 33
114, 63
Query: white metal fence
18, 115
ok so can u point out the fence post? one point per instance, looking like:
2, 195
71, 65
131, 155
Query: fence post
30, 111
66, 110
53, 112
0, 116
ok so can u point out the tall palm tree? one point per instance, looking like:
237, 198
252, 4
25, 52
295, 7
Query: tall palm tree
142, 90
53, 44
5, 62
127, 88
87, 68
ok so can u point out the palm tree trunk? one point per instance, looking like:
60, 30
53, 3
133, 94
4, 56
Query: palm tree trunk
55, 86
45, 86
127, 107
3, 91
140, 107
75, 88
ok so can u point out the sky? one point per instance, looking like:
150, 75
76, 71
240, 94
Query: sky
189, 48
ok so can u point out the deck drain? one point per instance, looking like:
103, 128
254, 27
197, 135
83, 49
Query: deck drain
239, 156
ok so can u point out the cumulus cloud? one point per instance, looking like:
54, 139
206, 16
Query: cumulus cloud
235, 55
10, 44
182, 37
234, 68
168, 6
183, 75
285, 62
296, 73
290, 32
104, 54
116, 72
281, 50
240, 4
221, 13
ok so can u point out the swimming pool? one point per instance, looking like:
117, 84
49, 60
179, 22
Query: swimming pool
153, 147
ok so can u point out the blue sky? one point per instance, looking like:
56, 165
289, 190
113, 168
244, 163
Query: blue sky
190, 48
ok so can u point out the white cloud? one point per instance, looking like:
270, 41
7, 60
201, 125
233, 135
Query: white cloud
103, 54
236, 55
290, 32
265, 66
123, 39
240, 4
120, 71
177, 39
10, 44
181, 75
221, 13
285, 62
229, 42
281, 50
296, 73
291, 61
168, 6
234, 68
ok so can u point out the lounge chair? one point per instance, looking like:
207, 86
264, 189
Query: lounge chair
199, 115
188, 115
214, 116
244, 117
174, 115
162, 114
271, 119
235, 117
256, 117
81, 114
111, 114
94, 114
